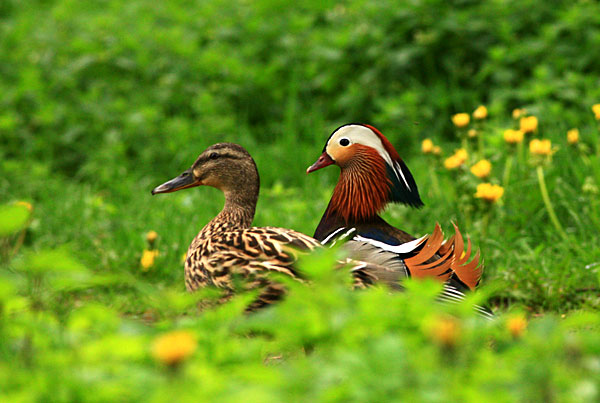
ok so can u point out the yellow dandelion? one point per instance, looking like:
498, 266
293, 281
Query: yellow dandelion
461, 154
437, 150
151, 236
488, 192
174, 347
517, 113
445, 331
148, 257
573, 136
516, 325
480, 113
427, 146
472, 133
457, 159
461, 120
540, 147
596, 110
482, 169
513, 136
528, 124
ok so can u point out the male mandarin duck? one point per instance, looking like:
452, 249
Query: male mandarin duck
373, 175
228, 245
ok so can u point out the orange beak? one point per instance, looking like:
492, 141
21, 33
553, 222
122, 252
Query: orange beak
323, 161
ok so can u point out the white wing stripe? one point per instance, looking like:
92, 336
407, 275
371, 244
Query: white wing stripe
403, 248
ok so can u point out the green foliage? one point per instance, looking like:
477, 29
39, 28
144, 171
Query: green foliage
101, 101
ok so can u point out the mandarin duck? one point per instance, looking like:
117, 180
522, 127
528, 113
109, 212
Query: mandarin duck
228, 245
372, 176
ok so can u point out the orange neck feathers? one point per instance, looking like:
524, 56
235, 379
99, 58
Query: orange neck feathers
363, 188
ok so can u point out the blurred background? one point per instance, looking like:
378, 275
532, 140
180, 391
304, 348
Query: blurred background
100, 101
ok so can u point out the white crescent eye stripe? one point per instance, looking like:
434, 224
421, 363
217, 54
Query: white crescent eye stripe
358, 134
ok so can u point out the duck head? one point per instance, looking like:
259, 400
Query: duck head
225, 166
372, 172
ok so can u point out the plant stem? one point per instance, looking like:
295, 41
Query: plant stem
507, 169
548, 203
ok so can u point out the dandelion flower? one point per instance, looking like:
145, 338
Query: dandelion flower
528, 124
480, 113
540, 147
427, 146
516, 325
513, 136
461, 120
148, 257
488, 192
472, 133
437, 150
517, 113
456, 160
445, 331
482, 169
174, 347
573, 136
596, 110
151, 236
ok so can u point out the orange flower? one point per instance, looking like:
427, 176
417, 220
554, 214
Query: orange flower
573, 136
482, 169
445, 331
540, 147
528, 124
174, 347
461, 120
516, 325
513, 136
427, 146
596, 110
517, 113
480, 113
488, 192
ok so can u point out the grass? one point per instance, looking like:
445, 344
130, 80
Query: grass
100, 103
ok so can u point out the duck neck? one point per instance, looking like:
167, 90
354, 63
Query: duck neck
358, 197
237, 213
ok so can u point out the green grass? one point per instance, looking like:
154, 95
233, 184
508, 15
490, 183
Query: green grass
102, 101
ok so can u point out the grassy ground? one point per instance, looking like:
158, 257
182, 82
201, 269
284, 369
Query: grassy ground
101, 102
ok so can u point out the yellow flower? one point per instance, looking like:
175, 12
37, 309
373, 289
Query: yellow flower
456, 160
25, 204
481, 169
513, 136
573, 136
540, 147
427, 146
488, 192
596, 110
472, 133
436, 150
445, 331
183, 257
151, 236
173, 347
528, 124
480, 113
461, 119
147, 260
516, 325
517, 113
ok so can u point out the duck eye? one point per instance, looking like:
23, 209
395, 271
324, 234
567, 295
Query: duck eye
213, 156
344, 142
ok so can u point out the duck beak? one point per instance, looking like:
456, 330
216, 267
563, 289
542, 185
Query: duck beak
323, 161
183, 181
